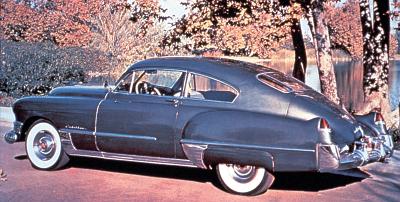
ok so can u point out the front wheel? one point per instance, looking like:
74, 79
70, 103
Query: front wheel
244, 179
43, 147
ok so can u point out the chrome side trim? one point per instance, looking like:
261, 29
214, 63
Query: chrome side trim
95, 120
65, 135
66, 143
149, 159
75, 131
85, 153
142, 137
195, 153
132, 158
216, 143
328, 157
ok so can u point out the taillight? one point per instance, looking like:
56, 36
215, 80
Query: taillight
378, 119
323, 124
324, 132
380, 123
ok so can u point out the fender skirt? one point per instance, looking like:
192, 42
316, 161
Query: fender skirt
214, 155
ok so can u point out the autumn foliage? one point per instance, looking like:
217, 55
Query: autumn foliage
249, 28
345, 29
64, 22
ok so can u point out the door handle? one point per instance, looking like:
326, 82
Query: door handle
174, 101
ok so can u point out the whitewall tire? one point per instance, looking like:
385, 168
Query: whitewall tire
43, 146
244, 179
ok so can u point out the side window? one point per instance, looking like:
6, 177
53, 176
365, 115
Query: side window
205, 88
158, 82
124, 85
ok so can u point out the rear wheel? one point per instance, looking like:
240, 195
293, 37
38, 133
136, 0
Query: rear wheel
244, 179
43, 147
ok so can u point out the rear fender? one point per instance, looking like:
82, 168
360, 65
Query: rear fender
368, 121
250, 138
242, 127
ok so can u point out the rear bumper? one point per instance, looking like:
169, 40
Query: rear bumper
15, 134
330, 158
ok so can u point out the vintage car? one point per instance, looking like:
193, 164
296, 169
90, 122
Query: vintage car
244, 120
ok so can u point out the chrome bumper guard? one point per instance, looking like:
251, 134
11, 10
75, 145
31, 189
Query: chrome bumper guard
15, 134
330, 157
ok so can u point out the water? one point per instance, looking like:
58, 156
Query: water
349, 78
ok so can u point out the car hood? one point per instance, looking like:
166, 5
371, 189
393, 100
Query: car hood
309, 104
80, 91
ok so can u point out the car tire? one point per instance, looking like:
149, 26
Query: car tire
244, 180
43, 147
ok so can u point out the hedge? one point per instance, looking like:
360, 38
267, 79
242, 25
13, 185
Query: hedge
36, 68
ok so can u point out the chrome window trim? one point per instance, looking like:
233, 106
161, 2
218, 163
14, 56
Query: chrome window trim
213, 78
114, 90
289, 89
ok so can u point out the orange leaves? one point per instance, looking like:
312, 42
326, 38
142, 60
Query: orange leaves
66, 23
345, 29
235, 27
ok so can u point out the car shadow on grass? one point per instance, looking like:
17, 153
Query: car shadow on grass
297, 181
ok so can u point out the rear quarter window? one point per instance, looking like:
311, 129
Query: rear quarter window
281, 82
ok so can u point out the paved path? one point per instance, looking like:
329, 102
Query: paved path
100, 180
6, 114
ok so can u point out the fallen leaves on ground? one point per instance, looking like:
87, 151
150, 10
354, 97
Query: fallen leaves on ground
3, 176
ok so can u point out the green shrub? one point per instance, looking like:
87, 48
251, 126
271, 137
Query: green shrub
36, 68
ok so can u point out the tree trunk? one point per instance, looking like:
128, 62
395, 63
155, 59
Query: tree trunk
300, 62
322, 45
376, 34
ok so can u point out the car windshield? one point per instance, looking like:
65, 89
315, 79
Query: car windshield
282, 82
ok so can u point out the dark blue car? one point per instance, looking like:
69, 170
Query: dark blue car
243, 120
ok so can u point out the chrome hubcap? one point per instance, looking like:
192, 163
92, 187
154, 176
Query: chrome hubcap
242, 173
44, 145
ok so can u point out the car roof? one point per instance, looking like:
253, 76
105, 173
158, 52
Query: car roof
207, 65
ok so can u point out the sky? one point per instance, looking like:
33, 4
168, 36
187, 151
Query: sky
174, 8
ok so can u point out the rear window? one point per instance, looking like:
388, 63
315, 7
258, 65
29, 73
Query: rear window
282, 82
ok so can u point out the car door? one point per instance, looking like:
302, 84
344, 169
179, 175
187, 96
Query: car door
202, 94
139, 116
